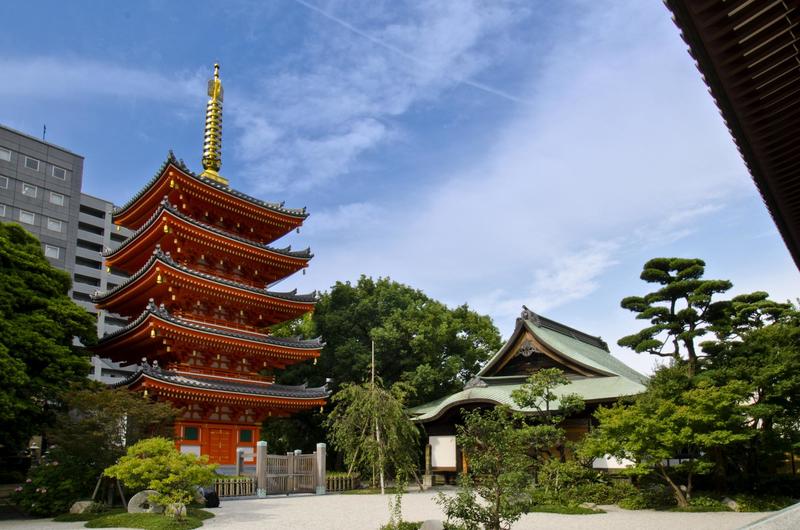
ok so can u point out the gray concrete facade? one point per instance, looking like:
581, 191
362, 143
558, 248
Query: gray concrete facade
40, 188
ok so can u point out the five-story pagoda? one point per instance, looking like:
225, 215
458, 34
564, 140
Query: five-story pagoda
200, 262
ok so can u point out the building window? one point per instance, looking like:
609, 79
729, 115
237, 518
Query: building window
31, 163
82, 297
246, 435
85, 262
29, 190
56, 198
52, 252
94, 212
191, 433
88, 245
2, 210
86, 227
86, 280
27, 217
54, 224
59, 173
3, 182
5, 154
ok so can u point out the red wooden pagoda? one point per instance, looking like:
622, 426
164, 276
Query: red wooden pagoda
200, 262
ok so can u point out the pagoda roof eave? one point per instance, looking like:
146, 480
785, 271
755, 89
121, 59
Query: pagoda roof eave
166, 206
165, 259
163, 314
180, 165
225, 388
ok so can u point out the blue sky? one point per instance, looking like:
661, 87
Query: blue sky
498, 153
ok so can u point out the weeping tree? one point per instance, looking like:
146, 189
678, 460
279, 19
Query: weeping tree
370, 427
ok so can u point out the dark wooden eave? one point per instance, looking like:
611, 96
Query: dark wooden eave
747, 51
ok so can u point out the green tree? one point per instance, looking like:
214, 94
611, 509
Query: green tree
93, 427
417, 339
38, 322
674, 418
98, 423
369, 426
496, 444
538, 393
760, 346
680, 312
156, 464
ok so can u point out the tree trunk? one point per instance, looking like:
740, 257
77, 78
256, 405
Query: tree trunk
680, 497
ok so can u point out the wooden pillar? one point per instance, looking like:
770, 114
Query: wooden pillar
428, 459
427, 478
320, 465
261, 468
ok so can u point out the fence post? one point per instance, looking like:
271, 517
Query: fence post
320, 478
290, 471
239, 461
261, 468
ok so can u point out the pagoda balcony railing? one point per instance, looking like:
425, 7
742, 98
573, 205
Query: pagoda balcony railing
217, 322
228, 374
223, 273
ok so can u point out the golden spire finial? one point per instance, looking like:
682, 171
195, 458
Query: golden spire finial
212, 145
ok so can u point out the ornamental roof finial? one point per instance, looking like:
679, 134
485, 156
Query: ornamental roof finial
212, 144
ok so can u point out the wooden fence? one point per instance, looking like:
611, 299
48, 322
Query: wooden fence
342, 482
235, 487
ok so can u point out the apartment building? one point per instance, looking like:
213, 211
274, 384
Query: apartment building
40, 188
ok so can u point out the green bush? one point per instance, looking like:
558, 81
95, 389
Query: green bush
51, 488
402, 525
636, 501
570, 484
761, 503
648, 496
156, 464
703, 503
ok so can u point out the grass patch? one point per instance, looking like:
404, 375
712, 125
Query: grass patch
690, 508
75, 517
567, 510
149, 521
404, 525
370, 491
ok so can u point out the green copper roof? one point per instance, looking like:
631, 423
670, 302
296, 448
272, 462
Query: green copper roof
583, 353
614, 378
498, 392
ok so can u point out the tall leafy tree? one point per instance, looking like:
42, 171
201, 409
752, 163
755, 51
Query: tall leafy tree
418, 340
759, 345
38, 322
674, 418
680, 311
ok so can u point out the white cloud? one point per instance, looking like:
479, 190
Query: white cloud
333, 107
622, 144
81, 78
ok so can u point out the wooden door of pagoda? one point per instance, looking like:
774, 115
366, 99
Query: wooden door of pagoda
220, 446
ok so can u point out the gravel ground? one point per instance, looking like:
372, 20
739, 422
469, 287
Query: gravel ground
368, 512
